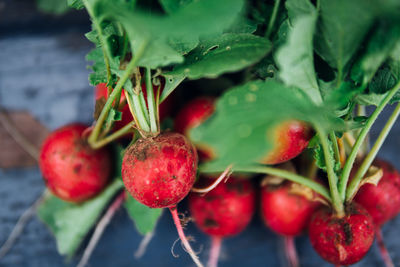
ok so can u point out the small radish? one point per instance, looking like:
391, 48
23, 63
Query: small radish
342, 240
71, 169
289, 139
286, 212
193, 114
224, 211
382, 201
159, 172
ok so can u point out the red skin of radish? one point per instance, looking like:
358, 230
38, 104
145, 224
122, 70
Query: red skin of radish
284, 212
290, 138
226, 210
342, 241
159, 172
71, 169
193, 114
382, 201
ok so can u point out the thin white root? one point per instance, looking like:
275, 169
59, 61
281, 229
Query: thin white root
185, 242
101, 226
20, 225
215, 251
143, 245
224, 175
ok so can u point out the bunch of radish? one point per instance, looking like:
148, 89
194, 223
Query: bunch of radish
287, 133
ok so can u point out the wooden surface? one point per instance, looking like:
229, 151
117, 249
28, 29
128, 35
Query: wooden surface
43, 71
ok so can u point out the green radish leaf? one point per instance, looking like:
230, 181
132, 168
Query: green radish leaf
241, 131
381, 83
145, 218
379, 47
226, 53
343, 25
171, 82
99, 74
113, 116
295, 58
77, 4
69, 222
57, 7
156, 32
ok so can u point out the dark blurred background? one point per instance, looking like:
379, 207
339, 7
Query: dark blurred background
43, 71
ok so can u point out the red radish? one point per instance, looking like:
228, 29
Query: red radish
289, 139
286, 213
345, 240
71, 169
382, 201
193, 114
159, 172
224, 211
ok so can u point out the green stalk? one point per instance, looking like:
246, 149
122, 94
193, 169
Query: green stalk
273, 18
354, 184
360, 139
151, 103
140, 115
143, 106
337, 202
320, 189
336, 152
117, 90
121, 132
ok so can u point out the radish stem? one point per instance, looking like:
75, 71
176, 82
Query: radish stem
103, 115
224, 175
185, 242
360, 139
273, 18
101, 226
355, 182
337, 202
121, 132
151, 103
215, 251
320, 189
